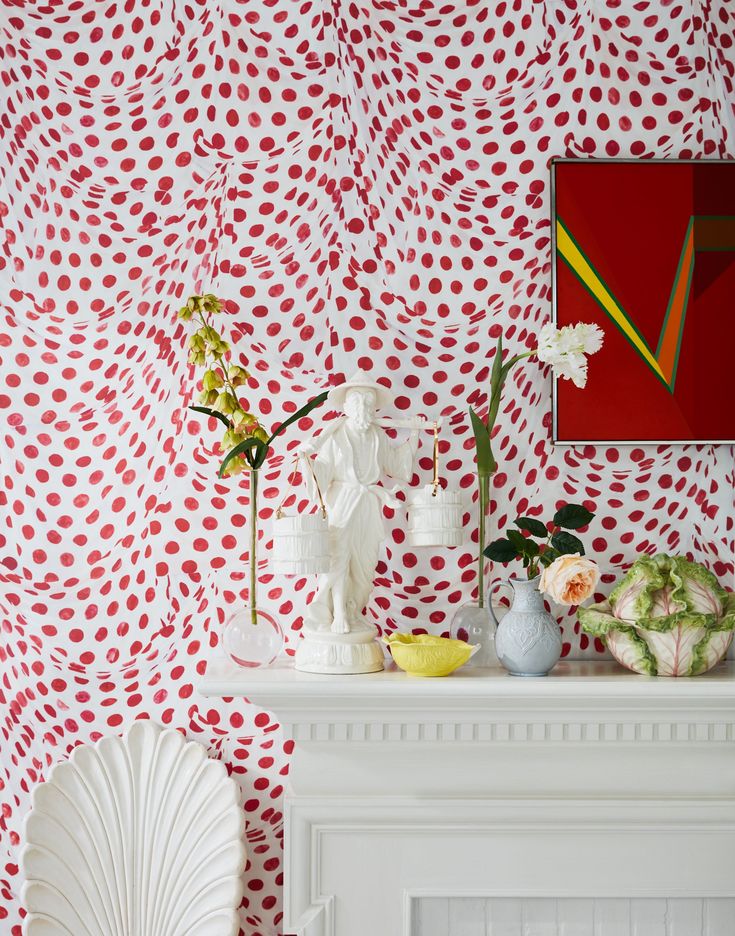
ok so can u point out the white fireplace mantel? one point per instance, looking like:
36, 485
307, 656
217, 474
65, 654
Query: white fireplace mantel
590, 785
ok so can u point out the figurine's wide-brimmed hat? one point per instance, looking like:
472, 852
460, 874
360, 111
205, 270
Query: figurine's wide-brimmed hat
360, 381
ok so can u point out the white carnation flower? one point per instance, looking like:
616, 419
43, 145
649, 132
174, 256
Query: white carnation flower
549, 344
590, 337
572, 367
566, 349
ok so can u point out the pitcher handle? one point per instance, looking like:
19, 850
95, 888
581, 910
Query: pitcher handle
490, 592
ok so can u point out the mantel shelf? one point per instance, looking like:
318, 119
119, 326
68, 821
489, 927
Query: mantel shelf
579, 700
568, 680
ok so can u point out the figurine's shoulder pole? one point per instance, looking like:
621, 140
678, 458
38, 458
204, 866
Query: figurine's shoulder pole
415, 422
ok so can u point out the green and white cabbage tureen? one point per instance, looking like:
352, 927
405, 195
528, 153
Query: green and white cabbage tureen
666, 617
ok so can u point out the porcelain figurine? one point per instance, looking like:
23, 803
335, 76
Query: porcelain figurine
349, 460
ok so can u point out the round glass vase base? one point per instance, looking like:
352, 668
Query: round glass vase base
252, 638
339, 654
476, 625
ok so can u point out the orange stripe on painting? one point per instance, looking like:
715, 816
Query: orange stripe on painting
668, 350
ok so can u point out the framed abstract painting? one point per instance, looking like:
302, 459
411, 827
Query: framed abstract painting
646, 250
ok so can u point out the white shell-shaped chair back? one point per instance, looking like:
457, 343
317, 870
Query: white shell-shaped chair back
134, 836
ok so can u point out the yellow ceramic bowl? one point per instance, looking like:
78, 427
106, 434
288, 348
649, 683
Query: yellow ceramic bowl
425, 655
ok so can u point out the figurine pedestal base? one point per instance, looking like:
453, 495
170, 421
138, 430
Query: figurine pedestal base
340, 654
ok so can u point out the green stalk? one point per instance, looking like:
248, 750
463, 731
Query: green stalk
519, 357
499, 375
483, 485
253, 546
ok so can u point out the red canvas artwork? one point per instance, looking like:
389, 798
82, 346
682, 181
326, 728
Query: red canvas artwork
646, 250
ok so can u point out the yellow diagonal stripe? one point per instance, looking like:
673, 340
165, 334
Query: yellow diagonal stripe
571, 253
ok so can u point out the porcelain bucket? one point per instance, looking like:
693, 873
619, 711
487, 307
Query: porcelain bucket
300, 544
435, 517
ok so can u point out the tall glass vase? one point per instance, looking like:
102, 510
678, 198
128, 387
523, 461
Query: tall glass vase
252, 637
475, 621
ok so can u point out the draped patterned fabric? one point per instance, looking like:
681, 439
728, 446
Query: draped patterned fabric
367, 186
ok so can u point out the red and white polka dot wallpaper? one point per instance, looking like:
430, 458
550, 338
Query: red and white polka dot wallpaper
367, 185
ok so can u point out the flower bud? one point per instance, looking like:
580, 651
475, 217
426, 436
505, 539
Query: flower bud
210, 303
230, 439
208, 397
235, 467
226, 403
212, 380
237, 375
242, 419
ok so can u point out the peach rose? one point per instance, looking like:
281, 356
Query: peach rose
569, 580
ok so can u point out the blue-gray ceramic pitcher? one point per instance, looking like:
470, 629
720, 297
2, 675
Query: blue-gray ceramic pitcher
528, 638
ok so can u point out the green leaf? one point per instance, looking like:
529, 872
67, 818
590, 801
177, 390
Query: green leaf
565, 544
525, 546
501, 551
485, 461
210, 412
261, 453
534, 527
598, 619
497, 367
572, 516
548, 556
254, 450
517, 539
507, 368
304, 411
531, 547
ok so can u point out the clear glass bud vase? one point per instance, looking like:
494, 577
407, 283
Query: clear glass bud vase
477, 626
475, 621
252, 637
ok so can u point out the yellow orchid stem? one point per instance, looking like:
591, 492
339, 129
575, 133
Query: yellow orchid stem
253, 546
